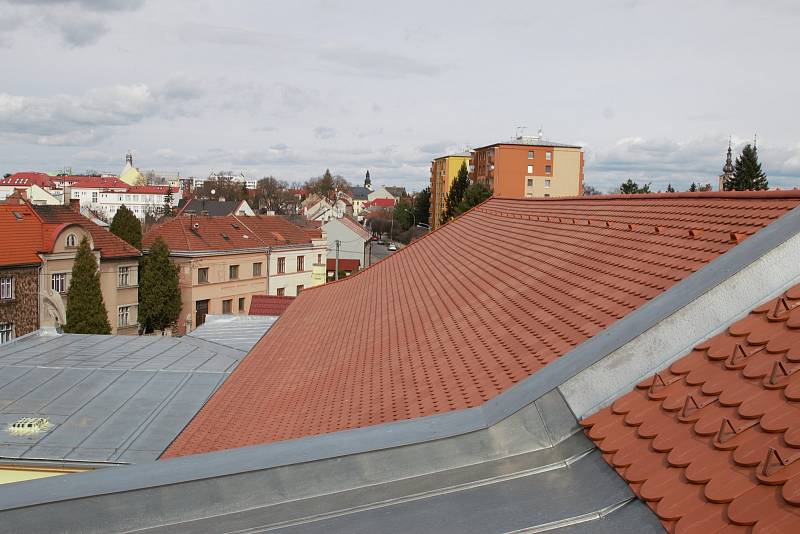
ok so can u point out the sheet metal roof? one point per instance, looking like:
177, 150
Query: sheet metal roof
473, 308
712, 443
119, 399
238, 331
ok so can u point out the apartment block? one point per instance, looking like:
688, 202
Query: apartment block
443, 171
529, 166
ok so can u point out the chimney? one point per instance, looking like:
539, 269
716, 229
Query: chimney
75, 204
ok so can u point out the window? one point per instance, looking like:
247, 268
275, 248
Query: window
124, 316
257, 269
530, 169
124, 277
6, 332
202, 275
281, 265
226, 306
281, 291
530, 154
530, 182
547, 183
299, 288
233, 272
94, 197
548, 169
241, 304
72, 241
301, 263
59, 282
319, 258
7, 287
548, 156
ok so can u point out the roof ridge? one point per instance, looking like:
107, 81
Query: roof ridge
773, 194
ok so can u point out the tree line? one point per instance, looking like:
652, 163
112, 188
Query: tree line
747, 176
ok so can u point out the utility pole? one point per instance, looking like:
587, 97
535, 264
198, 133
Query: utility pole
337, 258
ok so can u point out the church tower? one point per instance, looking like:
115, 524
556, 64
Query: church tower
368, 181
727, 169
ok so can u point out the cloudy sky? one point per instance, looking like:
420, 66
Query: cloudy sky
652, 90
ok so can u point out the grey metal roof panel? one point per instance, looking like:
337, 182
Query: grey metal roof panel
117, 399
237, 331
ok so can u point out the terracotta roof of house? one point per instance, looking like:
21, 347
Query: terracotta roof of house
713, 442
345, 264
269, 304
20, 235
212, 207
207, 233
380, 203
353, 225
151, 189
109, 245
26, 179
469, 310
93, 182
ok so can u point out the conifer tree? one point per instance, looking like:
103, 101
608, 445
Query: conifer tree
159, 290
476, 193
747, 173
86, 311
670, 189
168, 200
127, 227
693, 187
456, 193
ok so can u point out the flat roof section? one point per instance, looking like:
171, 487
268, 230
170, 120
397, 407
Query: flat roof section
107, 399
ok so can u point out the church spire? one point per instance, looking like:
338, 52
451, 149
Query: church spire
129, 158
727, 169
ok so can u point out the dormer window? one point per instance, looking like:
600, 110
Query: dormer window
72, 241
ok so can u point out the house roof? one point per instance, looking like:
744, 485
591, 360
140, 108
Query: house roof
713, 441
396, 191
118, 399
345, 264
208, 233
20, 234
151, 189
27, 179
238, 331
358, 192
212, 207
109, 245
271, 305
355, 227
553, 273
380, 203
93, 182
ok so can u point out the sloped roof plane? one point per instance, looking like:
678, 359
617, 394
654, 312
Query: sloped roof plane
713, 441
522, 282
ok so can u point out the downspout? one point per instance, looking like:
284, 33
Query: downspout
269, 256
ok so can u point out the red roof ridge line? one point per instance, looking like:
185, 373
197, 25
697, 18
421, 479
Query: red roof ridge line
781, 193
250, 230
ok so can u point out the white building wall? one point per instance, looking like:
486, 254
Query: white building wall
352, 245
291, 278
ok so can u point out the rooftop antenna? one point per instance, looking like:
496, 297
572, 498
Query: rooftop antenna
520, 131
539, 135
755, 141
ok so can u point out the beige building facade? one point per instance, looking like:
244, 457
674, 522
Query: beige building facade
119, 282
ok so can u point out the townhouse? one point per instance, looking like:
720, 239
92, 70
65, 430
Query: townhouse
226, 260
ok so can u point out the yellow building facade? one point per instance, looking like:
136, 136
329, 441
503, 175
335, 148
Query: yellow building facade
443, 172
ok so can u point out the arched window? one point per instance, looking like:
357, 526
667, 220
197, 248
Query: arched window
72, 241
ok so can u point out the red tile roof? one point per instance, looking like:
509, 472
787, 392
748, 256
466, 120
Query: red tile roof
26, 179
20, 235
380, 203
468, 311
269, 304
713, 442
93, 182
202, 233
344, 264
109, 245
151, 189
